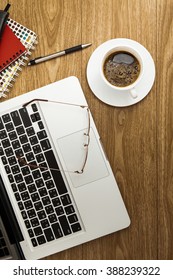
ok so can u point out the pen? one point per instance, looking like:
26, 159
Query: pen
57, 54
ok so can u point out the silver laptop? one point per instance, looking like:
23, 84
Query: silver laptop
57, 183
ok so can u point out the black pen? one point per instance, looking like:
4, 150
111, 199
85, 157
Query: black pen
57, 54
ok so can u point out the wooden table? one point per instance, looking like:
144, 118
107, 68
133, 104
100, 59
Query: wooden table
137, 139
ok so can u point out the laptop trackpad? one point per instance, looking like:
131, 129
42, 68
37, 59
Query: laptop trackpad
73, 154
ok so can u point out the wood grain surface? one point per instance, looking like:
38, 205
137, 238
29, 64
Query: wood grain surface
137, 139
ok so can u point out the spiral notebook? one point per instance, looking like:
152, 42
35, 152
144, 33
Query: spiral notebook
10, 48
28, 38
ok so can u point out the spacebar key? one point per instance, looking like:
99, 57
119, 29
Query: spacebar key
52, 163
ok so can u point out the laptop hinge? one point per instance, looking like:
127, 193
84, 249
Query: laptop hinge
8, 216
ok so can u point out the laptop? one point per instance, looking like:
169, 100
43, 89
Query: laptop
56, 184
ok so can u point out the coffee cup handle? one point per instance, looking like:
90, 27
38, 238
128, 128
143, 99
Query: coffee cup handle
133, 93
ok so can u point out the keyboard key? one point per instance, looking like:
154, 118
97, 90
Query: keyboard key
34, 222
6, 143
11, 178
34, 242
56, 175
65, 199
18, 178
37, 149
42, 134
14, 187
43, 192
1, 124
38, 206
36, 174
52, 218
25, 170
21, 206
30, 156
39, 183
76, 227
20, 130
12, 160
33, 140
49, 234
38, 231
57, 230
19, 153
7, 169
40, 125
35, 197
45, 144
28, 179
56, 201
28, 204
32, 188
53, 193
6, 118
41, 239
12, 135
23, 139
27, 224
50, 184
40, 158
3, 134
21, 187
31, 233
1, 151
25, 117
69, 209
41, 214
46, 175
59, 210
34, 107
72, 218
65, 225
46, 200
30, 131
17, 196
49, 209
26, 147
24, 215
25, 195
16, 118
15, 144
15, 169
4, 160
9, 127
31, 213
45, 223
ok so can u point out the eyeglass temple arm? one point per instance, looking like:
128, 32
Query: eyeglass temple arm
33, 100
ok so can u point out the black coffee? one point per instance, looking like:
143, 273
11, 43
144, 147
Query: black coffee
121, 69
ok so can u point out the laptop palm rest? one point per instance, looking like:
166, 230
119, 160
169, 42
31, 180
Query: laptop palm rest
73, 155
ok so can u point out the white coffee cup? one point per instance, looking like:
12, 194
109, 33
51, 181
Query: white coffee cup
131, 89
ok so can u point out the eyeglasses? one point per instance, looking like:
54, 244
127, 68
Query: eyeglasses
85, 145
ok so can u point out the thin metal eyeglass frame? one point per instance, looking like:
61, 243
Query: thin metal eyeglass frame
86, 145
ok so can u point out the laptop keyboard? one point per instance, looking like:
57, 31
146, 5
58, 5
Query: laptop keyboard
3, 247
41, 194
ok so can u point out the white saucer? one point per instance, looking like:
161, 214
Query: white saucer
111, 96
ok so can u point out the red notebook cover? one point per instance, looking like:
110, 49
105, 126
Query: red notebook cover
10, 48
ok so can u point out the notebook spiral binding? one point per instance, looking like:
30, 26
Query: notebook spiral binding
29, 39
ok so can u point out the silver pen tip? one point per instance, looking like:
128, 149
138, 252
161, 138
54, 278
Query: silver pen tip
86, 45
